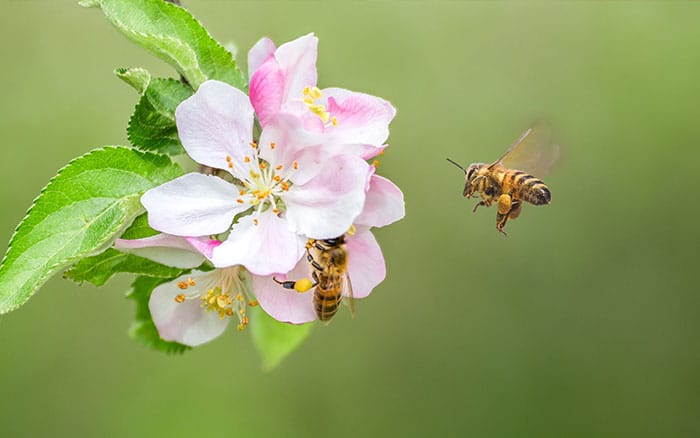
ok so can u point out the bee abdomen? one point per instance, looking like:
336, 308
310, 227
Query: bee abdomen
534, 191
326, 302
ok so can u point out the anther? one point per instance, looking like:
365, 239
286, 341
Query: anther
277, 178
253, 303
180, 298
334, 121
272, 145
276, 210
246, 159
182, 284
242, 192
255, 221
285, 186
262, 166
279, 167
230, 165
191, 282
228, 158
295, 164
375, 163
253, 144
239, 200
315, 93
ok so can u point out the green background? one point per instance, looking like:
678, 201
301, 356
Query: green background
582, 322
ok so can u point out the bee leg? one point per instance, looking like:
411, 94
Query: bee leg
480, 204
505, 206
300, 286
515, 210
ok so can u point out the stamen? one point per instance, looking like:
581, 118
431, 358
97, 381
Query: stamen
295, 164
253, 303
180, 298
191, 282
276, 210
315, 93
255, 221
279, 167
239, 200
228, 158
253, 144
242, 192
306, 91
277, 178
230, 165
334, 121
375, 163
246, 159
262, 166
284, 185
182, 285
272, 145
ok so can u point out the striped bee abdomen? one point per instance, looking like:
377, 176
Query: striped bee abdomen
327, 297
533, 190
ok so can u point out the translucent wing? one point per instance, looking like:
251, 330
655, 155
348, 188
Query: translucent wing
533, 152
348, 294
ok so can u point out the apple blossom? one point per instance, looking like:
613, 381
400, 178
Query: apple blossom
285, 188
284, 80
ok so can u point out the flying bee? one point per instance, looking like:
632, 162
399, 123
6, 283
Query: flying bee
509, 181
328, 259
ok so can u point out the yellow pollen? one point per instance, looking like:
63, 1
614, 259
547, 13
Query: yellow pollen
308, 100
303, 285
262, 166
306, 91
191, 282
277, 178
255, 192
334, 121
239, 297
242, 192
239, 200
279, 167
315, 93
254, 175
275, 211
246, 159
255, 221
229, 311
180, 298
253, 144
230, 165
375, 163
285, 186
272, 145
295, 164
253, 303
228, 158
182, 284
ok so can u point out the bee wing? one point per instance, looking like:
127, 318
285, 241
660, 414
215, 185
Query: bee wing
532, 152
349, 295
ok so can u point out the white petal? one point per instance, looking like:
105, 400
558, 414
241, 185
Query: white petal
283, 304
167, 249
187, 322
264, 249
262, 50
326, 206
216, 122
366, 266
192, 205
384, 203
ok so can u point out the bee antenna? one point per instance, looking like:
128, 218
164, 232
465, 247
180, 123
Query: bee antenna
458, 165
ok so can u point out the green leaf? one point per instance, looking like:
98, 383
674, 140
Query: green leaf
143, 328
171, 33
100, 268
78, 214
137, 77
152, 126
275, 340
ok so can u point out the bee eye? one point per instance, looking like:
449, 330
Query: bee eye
470, 173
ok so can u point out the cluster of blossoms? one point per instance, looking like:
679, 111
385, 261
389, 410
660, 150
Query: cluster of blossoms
306, 176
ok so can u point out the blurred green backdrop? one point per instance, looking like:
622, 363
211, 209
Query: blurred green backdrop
583, 322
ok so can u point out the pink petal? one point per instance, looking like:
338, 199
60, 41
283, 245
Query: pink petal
180, 252
298, 61
262, 50
267, 90
263, 249
366, 266
292, 143
384, 203
361, 118
283, 304
187, 322
326, 206
192, 205
216, 122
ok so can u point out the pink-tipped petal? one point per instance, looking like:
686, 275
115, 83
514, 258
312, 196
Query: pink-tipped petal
267, 90
297, 59
192, 205
263, 249
326, 206
384, 203
169, 250
283, 304
259, 53
366, 266
186, 322
215, 123
361, 118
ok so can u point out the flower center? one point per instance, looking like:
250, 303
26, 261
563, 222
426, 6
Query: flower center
311, 95
223, 293
265, 184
